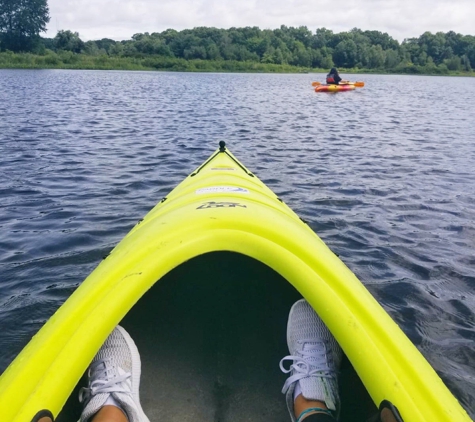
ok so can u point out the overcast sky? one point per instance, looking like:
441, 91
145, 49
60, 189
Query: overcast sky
120, 19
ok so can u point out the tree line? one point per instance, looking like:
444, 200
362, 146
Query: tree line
292, 47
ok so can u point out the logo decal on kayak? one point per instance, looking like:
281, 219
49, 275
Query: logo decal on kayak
222, 189
223, 168
213, 204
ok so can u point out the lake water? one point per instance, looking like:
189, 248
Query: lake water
384, 174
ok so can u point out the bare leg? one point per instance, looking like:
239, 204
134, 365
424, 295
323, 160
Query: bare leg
106, 414
110, 414
301, 404
388, 416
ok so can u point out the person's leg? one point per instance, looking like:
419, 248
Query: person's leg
312, 387
112, 394
106, 414
110, 414
318, 417
305, 407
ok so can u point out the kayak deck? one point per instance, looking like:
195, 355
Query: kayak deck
211, 334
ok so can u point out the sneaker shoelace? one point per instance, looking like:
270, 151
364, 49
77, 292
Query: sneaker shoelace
312, 361
104, 380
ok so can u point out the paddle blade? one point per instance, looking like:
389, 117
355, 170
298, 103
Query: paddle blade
359, 84
316, 83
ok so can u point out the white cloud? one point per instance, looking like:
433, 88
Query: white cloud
95, 19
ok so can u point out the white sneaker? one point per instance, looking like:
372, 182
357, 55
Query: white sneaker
316, 357
114, 373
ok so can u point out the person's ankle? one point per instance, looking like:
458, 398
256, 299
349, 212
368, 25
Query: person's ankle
110, 413
303, 405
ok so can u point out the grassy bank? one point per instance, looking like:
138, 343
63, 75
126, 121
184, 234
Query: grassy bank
69, 60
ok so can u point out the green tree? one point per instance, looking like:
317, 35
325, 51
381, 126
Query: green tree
68, 41
363, 55
433, 45
430, 66
301, 56
91, 49
258, 45
327, 62
323, 38
466, 64
376, 57
48, 43
302, 34
454, 63
410, 50
21, 22
268, 56
392, 59
106, 44
149, 44
117, 49
345, 54
278, 57
383, 39
195, 52
470, 53
212, 52
322, 58
129, 50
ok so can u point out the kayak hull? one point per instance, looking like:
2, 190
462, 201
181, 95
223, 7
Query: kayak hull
334, 88
222, 206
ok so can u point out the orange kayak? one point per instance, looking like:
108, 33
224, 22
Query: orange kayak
334, 88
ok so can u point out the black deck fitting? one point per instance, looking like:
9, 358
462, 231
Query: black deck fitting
222, 146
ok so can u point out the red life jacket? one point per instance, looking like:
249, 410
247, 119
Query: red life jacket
330, 79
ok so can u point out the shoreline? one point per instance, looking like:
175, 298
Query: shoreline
72, 61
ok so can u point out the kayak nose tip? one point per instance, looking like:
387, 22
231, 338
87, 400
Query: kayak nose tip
222, 146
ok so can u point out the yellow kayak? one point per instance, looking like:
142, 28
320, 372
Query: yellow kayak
342, 86
221, 208
334, 88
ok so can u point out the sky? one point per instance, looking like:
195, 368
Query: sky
120, 19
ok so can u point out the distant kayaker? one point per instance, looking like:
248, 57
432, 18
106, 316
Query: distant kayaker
333, 77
